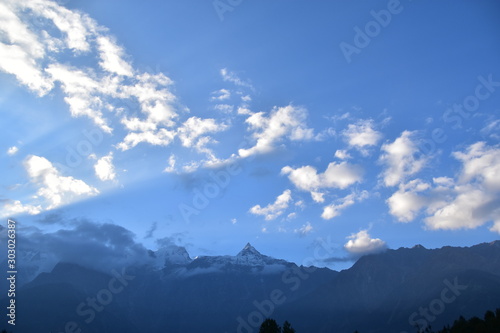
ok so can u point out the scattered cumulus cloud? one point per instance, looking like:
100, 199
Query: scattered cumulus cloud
282, 122
54, 188
273, 210
15, 207
337, 175
305, 229
469, 200
335, 209
104, 168
220, 95
400, 159
342, 154
12, 151
406, 203
475, 197
362, 135
361, 243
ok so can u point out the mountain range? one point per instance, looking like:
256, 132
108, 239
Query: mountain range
385, 292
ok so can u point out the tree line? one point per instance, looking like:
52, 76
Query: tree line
490, 323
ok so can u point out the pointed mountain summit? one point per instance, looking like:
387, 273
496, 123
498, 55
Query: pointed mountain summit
249, 250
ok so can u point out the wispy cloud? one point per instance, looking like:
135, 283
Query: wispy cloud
335, 209
233, 78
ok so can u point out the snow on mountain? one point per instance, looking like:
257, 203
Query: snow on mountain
176, 261
170, 256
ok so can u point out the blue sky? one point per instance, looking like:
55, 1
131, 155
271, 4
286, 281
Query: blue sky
362, 126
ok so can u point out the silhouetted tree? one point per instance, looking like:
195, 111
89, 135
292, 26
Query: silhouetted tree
269, 326
287, 328
490, 324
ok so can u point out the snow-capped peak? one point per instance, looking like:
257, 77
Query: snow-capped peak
170, 255
249, 250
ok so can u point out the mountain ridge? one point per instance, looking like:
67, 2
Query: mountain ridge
381, 292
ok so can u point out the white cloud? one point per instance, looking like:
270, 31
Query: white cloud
162, 137
82, 93
192, 132
361, 135
12, 150
275, 209
469, 200
111, 57
21, 51
318, 196
342, 154
470, 208
406, 203
32, 55
57, 190
337, 175
171, 164
335, 209
195, 127
224, 108
284, 122
480, 164
75, 26
104, 168
400, 159
12, 208
305, 229
221, 95
233, 78
361, 243
474, 199
244, 111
